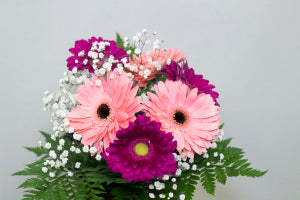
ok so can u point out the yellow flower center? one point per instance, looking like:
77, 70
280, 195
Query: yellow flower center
141, 149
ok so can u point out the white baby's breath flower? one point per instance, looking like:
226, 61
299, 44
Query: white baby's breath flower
178, 172
101, 55
52, 154
93, 150
124, 60
85, 149
205, 155
76, 136
59, 147
194, 167
64, 160
77, 150
120, 70
156, 183
181, 196
151, 195
72, 148
102, 71
70, 173
51, 163
174, 186
166, 177
137, 51
85, 61
213, 145
45, 169
65, 153
77, 165
98, 157
48, 145
52, 174
46, 162
74, 70
70, 129
151, 186
168, 61
58, 164
62, 142
221, 156
53, 137
145, 31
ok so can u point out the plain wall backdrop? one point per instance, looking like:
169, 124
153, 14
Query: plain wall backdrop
249, 49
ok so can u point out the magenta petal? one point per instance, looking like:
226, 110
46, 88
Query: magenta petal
159, 160
182, 72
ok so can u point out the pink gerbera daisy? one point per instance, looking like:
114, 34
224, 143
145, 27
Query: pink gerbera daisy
191, 117
107, 104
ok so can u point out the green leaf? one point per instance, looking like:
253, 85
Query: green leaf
250, 172
221, 126
33, 183
119, 41
46, 135
38, 151
208, 181
232, 171
221, 175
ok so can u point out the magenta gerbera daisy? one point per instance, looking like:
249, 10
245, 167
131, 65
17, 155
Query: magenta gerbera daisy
182, 72
142, 151
107, 104
95, 54
191, 117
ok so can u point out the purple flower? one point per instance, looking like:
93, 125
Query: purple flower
142, 151
96, 53
182, 72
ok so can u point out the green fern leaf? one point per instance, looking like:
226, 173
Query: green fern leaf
38, 151
221, 175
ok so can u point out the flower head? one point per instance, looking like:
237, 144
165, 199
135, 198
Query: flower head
142, 151
146, 65
191, 117
105, 108
182, 72
95, 54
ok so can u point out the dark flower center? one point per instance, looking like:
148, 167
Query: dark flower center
180, 117
103, 111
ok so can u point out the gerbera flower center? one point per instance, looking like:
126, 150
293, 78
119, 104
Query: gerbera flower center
180, 117
141, 149
103, 111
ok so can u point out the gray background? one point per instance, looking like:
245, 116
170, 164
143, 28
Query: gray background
249, 49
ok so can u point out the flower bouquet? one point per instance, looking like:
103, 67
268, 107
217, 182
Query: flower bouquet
131, 120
